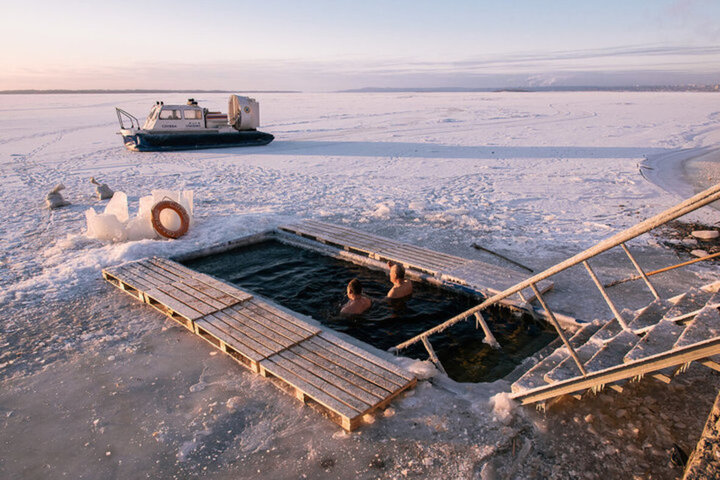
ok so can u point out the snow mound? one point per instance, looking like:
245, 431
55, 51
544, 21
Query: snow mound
502, 407
422, 369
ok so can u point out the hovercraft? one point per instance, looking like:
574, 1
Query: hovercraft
190, 127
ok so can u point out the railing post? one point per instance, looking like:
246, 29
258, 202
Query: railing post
640, 271
610, 303
489, 337
433, 358
555, 323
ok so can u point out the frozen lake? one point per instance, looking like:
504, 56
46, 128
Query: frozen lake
94, 385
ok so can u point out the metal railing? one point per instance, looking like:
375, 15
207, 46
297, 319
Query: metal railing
134, 122
706, 197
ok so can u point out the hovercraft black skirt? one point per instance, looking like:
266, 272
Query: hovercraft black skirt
153, 142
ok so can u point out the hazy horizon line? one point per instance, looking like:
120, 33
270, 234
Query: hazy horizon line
556, 88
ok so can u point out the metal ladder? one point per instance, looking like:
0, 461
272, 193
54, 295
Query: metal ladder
702, 199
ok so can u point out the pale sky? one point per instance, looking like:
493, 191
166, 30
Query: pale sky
332, 45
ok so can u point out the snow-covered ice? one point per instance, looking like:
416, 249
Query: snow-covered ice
535, 176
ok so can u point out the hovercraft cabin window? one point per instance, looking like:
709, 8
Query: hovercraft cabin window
193, 115
170, 114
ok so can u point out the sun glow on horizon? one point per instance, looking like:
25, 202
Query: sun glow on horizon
327, 45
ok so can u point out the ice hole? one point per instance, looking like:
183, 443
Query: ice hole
313, 284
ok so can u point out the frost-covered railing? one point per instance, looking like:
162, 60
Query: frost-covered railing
706, 197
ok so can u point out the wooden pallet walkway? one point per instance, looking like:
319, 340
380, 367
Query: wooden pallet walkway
345, 381
480, 276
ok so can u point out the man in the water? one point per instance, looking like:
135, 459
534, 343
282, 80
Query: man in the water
358, 302
402, 287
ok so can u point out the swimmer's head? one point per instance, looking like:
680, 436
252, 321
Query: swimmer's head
397, 271
354, 287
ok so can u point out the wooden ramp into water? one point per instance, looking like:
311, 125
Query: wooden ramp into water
315, 366
480, 276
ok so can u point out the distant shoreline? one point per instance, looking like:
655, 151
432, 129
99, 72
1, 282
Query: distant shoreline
639, 88
92, 91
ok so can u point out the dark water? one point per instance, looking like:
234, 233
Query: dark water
314, 284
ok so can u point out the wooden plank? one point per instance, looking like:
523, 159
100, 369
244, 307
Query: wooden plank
367, 391
279, 371
129, 274
218, 295
358, 360
188, 284
285, 320
172, 304
320, 234
122, 286
372, 245
135, 281
196, 284
158, 274
410, 261
335, 380
363, 357
306, 351
200, 296
254, 331
168, 278
206, 279
186, 299
385, 242
270, 329
411, 255
385, 402
236, 336
158, 282
477, 272
168, 284
243, 344
388, 245
406, 256
112, 271
358, 405
346, 240
318, 348
306, 389
424, 254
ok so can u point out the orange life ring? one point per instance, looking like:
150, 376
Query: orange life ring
175, 207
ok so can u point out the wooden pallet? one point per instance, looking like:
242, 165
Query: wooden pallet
345, 381
179, 292
480, 276
380, 248
253, 331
